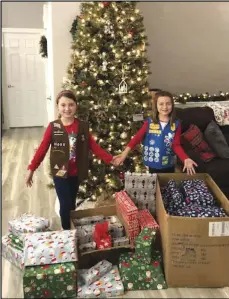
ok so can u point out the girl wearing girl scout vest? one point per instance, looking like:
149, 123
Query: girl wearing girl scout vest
161, 135
70, 142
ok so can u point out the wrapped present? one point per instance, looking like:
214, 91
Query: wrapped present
144, 243
142, 189
87, 247
137, 275
145, 219
101, 236
88, 220
144, 181
15, 242
121, 241
109, 285
116, 229
96, 272
27, 223
50, 248
13, 254
127, 210
50, 281
85, 233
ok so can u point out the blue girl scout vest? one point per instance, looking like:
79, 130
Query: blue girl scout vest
157, 145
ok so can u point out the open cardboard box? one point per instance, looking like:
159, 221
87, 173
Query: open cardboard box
106, 211
195, 250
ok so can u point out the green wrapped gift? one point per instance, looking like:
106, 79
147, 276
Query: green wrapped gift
15, 242
136, 274
144, 243
50, 281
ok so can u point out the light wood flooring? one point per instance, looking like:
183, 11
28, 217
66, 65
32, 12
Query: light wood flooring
18, 147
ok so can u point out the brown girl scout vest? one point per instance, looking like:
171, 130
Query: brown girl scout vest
59, 154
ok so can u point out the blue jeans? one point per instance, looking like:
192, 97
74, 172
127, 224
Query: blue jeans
162, 170
66, 190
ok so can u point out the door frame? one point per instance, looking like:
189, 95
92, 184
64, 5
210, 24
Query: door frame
5, 125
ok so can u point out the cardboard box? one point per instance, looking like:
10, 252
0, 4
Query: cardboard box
105, 211
195, 250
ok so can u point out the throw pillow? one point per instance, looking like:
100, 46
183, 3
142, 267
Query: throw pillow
216, 140
199, 145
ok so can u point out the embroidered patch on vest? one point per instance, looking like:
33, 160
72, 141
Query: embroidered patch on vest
56, 125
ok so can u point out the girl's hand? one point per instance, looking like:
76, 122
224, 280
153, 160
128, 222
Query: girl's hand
189, 166
29, 179
118, 160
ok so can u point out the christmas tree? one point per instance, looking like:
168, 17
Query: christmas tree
108, 72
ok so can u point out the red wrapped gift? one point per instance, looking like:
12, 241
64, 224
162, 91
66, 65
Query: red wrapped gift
145, 219
128, 212
101, 235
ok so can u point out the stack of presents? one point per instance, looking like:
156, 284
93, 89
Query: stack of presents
49, 260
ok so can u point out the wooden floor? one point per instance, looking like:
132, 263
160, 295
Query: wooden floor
18, 147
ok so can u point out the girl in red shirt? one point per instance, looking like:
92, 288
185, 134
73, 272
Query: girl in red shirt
161, 135
66, 188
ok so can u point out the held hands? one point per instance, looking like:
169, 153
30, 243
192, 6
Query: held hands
189, 166
118, 160
29, 179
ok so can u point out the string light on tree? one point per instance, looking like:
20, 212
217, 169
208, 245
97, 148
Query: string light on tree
109, 81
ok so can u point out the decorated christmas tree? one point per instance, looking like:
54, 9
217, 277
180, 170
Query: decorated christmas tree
108, 72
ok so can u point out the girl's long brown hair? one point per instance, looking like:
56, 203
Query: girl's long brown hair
154, 114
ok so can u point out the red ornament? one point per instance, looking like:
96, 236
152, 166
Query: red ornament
105, 4
121, 176
131, 32
84, 84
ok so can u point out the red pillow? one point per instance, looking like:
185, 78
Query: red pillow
195, 137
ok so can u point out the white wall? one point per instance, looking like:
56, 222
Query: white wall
189, 45
22, 14
60, 18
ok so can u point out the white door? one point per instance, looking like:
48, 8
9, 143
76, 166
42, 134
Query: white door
24, 80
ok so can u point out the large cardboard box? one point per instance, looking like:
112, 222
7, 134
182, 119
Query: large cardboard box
195, 250
89, 258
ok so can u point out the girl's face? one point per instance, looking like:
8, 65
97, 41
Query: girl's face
164, 106
66, 107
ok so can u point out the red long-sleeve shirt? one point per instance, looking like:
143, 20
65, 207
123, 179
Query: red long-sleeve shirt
176, 146
71, 129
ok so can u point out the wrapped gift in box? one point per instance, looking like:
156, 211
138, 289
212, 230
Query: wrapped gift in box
137, 275
144, 243
84, 233
109, 285
50, 248
145, 219
101, 236
87, 247
121, 241
97, 271
13, 254
127, 210
27, 223
88, 220
116, 229
50, 281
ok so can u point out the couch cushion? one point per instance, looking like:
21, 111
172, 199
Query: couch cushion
219, 170
216, 140
199, 116
200, 146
